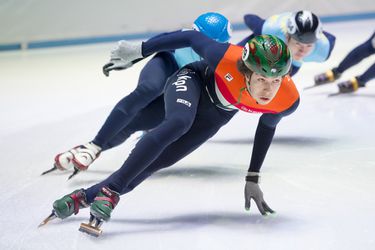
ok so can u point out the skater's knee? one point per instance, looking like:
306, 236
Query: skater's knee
137, 100
149, 89
181, 123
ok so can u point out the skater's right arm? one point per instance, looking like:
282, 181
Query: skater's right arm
264, 135
263, 138
254, 23
332, 40
208, 49
127, 53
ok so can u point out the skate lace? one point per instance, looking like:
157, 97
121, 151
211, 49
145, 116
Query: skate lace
113, 202
79, 200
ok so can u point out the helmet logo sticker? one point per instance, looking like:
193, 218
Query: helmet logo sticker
245, 52
291, 23
306, 19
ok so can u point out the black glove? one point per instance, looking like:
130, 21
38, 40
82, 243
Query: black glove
252, 191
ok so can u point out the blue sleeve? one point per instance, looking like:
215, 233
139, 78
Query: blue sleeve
276, 26
255, 23
294, 70
264, 135
332, 41
323, 48
210, 50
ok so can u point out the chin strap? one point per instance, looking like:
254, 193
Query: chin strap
239, 97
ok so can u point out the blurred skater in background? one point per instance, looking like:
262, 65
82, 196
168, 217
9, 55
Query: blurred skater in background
302, 31
355, 56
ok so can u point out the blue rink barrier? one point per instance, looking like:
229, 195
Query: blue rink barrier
114, 38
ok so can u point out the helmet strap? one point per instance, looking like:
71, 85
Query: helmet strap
238, 98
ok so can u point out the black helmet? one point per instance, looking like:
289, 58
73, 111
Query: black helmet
304, 26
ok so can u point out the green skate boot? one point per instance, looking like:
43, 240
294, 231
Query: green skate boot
67, 205
100, 210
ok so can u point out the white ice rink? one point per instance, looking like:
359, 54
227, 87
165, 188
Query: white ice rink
319, 174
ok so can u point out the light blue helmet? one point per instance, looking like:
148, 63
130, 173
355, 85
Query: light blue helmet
214, 25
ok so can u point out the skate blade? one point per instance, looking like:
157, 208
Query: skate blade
310, 87
76, 171
50, 170
46, 220
93, 231
335, 94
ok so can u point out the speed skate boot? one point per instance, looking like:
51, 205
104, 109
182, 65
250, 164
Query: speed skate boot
100, 211
67, 205
84, 156
349, 86
78, 158
62, 162
327, 77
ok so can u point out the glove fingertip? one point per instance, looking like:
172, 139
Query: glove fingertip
108, 65
260, 208
247, 204
267, 208
273, 214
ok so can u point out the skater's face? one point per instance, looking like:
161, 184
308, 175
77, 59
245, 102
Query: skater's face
263, 89
299, 50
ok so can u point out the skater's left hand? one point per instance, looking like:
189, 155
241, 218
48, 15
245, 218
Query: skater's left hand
123, 56
252, 191
115, 64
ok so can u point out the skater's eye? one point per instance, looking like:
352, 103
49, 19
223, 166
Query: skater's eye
276, 81
261, 79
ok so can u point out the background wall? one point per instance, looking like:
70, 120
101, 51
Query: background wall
45, 20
